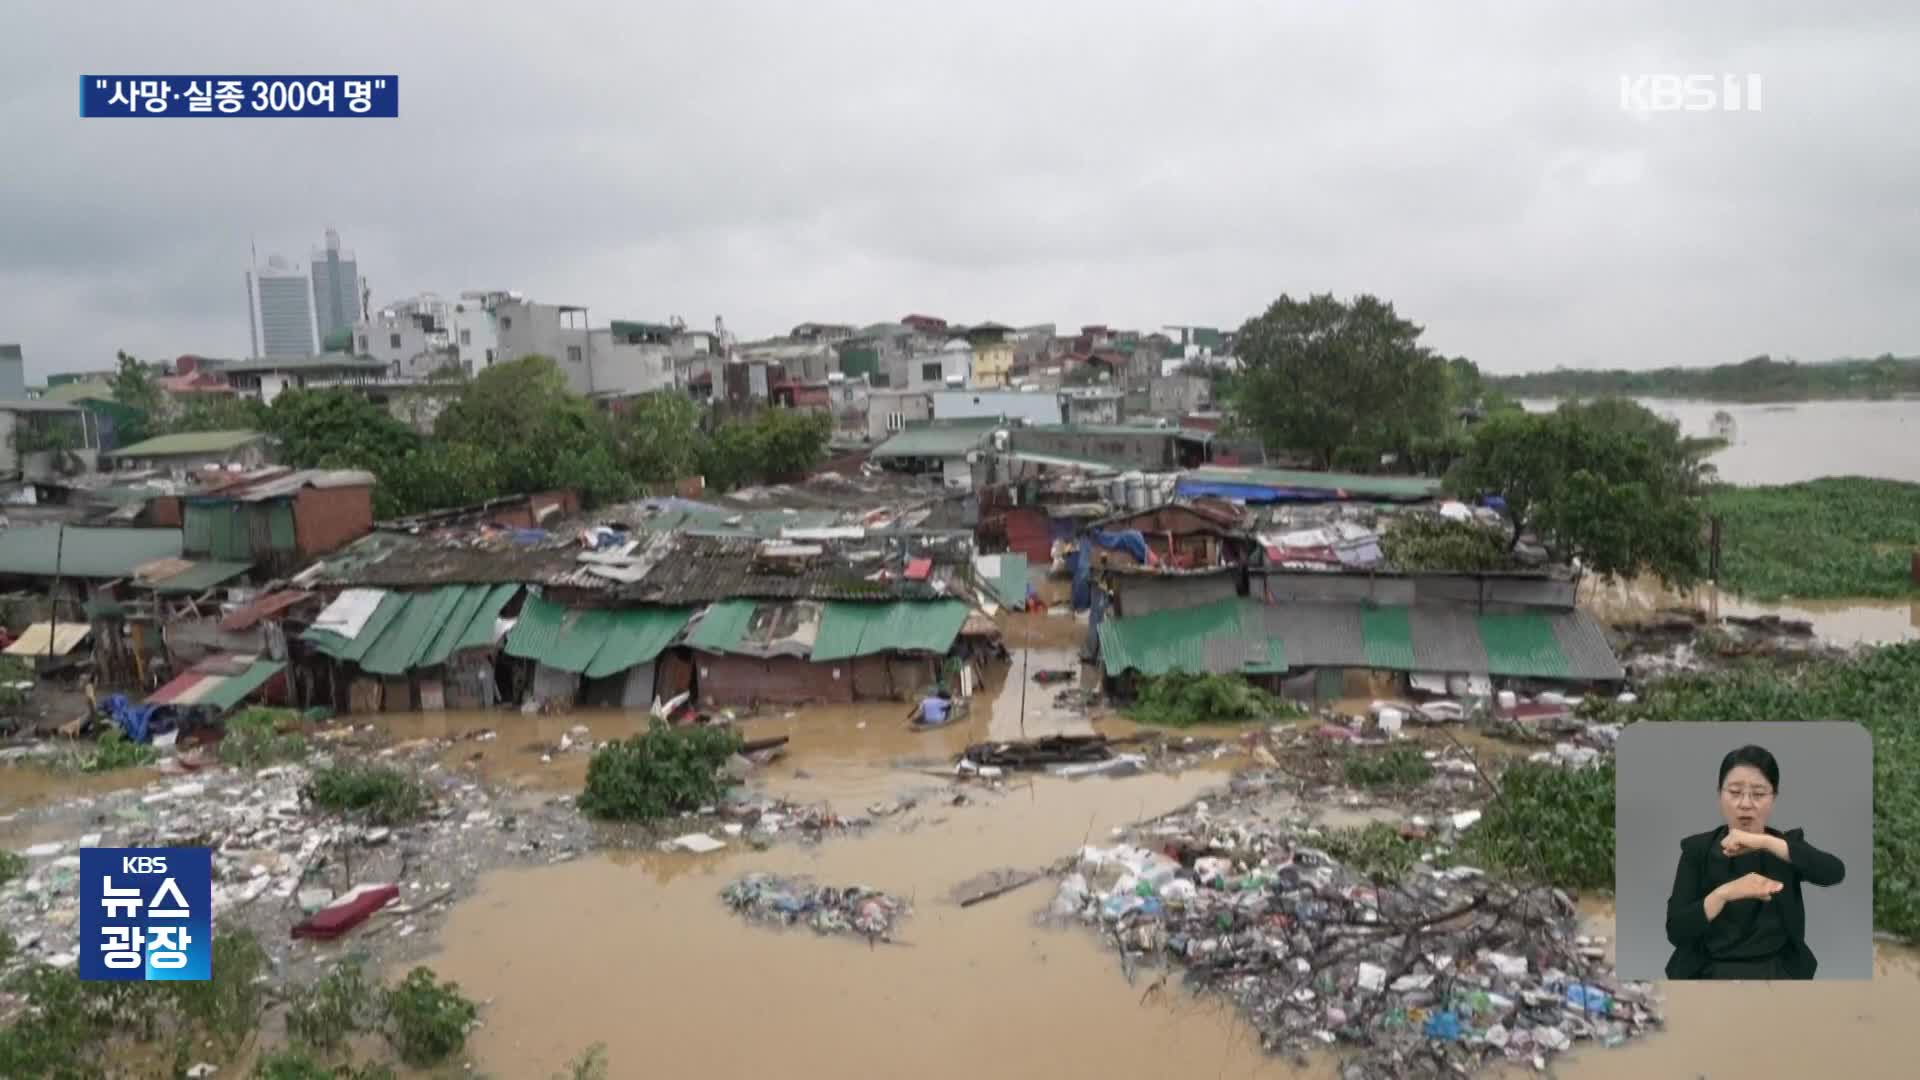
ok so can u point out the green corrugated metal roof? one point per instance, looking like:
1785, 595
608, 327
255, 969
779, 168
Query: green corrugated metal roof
352, 649
82, 552
1172, 640
1387, 634
944, 441
724, 624
187, 442
1523, 645
1011, 586
234, 689
201, 576
597, 642
849, 629
636, 637
418, 630
408, 636
1202, 639
79, 390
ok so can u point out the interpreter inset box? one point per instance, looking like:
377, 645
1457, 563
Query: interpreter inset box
1744, 851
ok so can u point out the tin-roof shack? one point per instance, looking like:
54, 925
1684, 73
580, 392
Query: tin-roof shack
196, 449
279, 522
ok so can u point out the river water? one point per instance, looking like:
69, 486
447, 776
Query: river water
1785, 444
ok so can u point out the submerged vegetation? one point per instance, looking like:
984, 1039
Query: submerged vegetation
1179, 700
661, 771
1833, 537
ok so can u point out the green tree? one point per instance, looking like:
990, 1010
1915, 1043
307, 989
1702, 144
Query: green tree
660, 438
326, 428
544, 435
1321, 375
134, 387
774, 444
434, 476
1606, 482
219, 412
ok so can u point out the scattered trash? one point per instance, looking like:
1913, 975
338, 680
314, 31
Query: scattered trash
993, 883
854, 909
346, 913
698, 843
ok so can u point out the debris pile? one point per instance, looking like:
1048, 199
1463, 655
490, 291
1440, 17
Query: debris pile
853, 909
1438, 973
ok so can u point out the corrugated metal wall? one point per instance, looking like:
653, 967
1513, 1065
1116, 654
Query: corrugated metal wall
781, 680
1141, 594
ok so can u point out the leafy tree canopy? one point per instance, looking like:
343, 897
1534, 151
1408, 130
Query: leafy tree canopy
1607, 482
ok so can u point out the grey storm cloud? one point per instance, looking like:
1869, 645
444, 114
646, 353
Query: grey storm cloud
1123, 162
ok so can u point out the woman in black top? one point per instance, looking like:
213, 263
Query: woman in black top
1736, 910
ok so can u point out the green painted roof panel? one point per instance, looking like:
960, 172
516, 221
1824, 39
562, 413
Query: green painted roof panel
447, 636
188, 442
637, 636
408, 636
581, 635
1523, 645
1387, 635
536, 630
1354, 484
235, 688
352, 650
723, 625
1171, 640
849, 629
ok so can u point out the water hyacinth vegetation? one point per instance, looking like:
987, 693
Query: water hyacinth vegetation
1830, 538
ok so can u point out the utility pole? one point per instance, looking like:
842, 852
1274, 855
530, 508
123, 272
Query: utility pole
53, 594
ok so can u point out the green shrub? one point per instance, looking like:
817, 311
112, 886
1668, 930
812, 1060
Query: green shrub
324, 1015
1550, 824
12, 865
1179, 699
1399, 766
372, 794
663, 771
1420, 542
291, 1065
427, 1020
253, 740
227, 1007
1377, 848
116, 751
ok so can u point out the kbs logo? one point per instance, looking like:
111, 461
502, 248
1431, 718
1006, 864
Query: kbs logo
1690, 93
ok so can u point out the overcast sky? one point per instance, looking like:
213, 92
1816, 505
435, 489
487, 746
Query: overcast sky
1136, 164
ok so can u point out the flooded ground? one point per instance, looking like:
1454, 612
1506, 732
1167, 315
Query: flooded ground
1845, 622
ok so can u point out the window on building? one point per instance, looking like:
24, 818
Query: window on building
847, 394
363, 345
506, 322
930, 373
466, 337
573, 354
489, 357
393, 340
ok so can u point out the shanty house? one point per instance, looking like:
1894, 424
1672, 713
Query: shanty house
943, 448
195, 450
280, 522
789, 652
400, 651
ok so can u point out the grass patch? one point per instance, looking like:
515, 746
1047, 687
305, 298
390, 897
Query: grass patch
13, 669
427, 1020
1378, 848
253, 740
371, 794
1834, 537
1179, 699
590, 1065
1878, 689
115, 751
662, 771
12, 865
1399, 766
300, 1065
1549, 824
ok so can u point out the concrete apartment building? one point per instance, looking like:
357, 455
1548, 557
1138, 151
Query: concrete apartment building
337, 298
280, 309
629, 358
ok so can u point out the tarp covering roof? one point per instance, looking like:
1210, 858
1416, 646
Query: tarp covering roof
32, 550
218, 682
416, 630
264, 606
1544, 645
852, 629
753, 628
33, 640
595, 642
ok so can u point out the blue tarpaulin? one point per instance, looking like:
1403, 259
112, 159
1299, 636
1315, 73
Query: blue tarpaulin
1129, 541
1251, 493
137, 722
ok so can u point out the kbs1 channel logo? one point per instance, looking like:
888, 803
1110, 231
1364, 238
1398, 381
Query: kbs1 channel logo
146, 914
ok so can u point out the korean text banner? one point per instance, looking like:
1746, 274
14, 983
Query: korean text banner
146, 914
240, 95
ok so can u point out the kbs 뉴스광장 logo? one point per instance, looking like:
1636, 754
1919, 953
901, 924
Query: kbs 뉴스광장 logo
146, 914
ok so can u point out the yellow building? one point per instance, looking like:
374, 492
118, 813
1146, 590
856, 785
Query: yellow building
992, 355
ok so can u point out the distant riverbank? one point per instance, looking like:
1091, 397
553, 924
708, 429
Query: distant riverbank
1755, 382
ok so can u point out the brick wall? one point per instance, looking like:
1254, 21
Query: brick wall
781, 680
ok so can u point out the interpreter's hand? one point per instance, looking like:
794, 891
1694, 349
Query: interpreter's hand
1751, 887
1739, 843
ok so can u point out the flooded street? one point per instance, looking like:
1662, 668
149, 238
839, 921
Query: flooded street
1844, 622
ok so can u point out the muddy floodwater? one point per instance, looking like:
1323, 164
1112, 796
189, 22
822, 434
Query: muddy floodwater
636, 951
1844, 622
1792, 442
